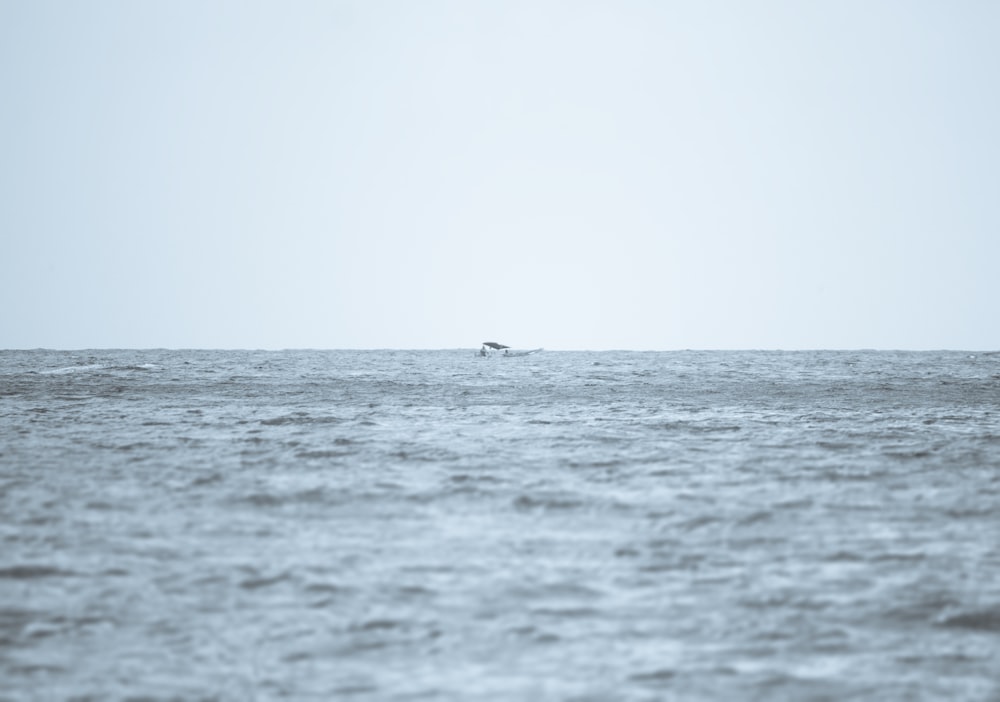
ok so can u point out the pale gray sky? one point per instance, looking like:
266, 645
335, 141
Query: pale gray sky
427, 174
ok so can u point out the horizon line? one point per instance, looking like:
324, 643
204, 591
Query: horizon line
472, 348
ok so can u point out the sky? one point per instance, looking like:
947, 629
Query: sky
626, 174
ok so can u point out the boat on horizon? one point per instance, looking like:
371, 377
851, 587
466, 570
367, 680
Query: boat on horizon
492, 348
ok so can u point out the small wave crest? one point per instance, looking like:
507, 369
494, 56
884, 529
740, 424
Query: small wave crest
67, 370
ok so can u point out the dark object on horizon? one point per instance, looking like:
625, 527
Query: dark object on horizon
495, 345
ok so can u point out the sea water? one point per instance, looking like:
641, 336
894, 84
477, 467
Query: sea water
432, 525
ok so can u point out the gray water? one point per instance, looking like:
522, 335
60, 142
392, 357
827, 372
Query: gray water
430, 525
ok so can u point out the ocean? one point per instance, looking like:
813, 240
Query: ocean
432, 525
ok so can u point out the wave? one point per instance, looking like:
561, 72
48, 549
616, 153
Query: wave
300, 419
975, 620
96, 367
87, 368
313, 496
33, 572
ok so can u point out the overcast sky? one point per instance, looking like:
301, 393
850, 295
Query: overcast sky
573, 175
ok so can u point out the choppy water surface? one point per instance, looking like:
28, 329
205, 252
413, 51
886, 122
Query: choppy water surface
436, 526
